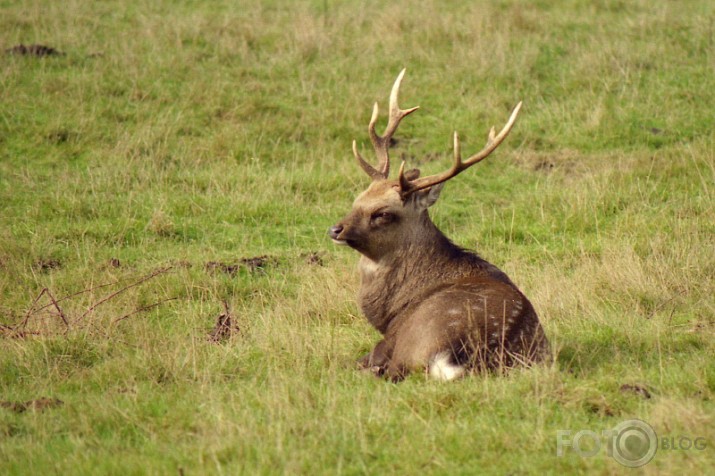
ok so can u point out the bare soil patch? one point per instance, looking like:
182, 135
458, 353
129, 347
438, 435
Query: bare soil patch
33, 50
38, 404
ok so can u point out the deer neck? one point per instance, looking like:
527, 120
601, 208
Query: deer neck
418, 248
389, 284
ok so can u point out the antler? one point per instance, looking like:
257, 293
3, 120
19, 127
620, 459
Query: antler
408, 187
382, 143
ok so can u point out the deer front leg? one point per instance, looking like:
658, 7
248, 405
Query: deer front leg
380, 363
377, 360
396, 372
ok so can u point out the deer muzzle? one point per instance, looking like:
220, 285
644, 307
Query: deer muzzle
334, 232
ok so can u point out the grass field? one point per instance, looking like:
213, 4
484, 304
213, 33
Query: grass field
143, 171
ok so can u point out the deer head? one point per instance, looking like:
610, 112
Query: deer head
392, 214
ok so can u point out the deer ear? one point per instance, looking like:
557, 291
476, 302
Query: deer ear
412, 174
427, 197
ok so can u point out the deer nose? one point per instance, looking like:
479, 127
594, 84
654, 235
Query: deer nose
335, 231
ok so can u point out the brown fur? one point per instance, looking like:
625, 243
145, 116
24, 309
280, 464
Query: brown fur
426, 295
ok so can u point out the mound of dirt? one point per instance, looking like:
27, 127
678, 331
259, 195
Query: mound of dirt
639, 390
254, 264
225, 326
39, 404
33, 50
47, 264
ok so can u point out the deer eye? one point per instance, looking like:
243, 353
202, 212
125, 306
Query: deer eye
382, 218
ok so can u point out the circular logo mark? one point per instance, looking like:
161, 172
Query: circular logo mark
634, 443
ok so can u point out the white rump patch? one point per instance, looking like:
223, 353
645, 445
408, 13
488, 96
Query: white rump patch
454, 311
441, 368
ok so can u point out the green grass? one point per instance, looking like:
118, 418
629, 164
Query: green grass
183, 133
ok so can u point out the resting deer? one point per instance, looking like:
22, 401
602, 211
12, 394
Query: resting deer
439, 307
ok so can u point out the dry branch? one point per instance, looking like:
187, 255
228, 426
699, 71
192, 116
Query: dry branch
144, 308
19, 331
57, 306
69, 296
116, 293
30, 310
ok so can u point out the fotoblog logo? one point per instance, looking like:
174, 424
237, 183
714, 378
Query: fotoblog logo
632, 443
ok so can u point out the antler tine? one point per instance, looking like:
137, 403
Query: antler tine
404, 183
382, 143
458, 166
369, 169
396, 114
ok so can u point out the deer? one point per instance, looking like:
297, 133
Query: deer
441, 309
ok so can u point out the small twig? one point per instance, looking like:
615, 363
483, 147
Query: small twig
57, 306
76, 294
55, 302
116, 293
141, 309
7, 330
30, 310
